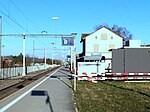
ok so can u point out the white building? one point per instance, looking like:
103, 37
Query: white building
99, 44
133, 44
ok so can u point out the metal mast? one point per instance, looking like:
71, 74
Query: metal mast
0, 40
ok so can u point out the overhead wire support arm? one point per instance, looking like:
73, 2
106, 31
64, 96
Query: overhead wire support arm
12, 35
38, 35
48, 35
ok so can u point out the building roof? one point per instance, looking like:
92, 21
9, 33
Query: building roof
83, 36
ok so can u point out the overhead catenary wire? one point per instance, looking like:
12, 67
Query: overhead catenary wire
8, 16
13, 20
3, 6
21, 12
36, 36
6, 20
11, 25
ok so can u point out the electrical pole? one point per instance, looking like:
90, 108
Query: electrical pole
24, 53
33, 36
52, 57
75, 87
33, 52
45, 58
0, 40
33, 56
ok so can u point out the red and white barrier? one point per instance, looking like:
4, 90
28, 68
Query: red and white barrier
94, 77
126, 73
89, 77
127, 76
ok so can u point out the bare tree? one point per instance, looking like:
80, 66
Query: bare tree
122, 31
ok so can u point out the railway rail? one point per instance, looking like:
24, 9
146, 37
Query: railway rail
23, 81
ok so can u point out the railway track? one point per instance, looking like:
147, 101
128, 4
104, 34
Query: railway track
24, 82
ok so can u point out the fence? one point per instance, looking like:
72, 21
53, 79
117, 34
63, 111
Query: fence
17, 71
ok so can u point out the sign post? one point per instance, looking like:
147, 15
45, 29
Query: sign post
74, 35
71, 41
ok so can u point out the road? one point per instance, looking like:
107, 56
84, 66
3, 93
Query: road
51, 93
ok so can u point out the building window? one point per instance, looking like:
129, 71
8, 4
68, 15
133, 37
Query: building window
111, 46
95, 37
111, 37
103, 36
96, 47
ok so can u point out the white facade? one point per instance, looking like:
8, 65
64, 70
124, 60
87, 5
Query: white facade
101, 41
134, 43
89, 69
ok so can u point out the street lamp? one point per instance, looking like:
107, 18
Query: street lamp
55, 18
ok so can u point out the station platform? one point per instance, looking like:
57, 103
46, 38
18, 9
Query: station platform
51, 93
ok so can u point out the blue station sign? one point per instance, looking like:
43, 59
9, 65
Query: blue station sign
67, 41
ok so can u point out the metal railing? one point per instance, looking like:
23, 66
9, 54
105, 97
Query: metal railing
6, 73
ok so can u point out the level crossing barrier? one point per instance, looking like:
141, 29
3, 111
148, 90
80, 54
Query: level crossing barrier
125, 76
91, 77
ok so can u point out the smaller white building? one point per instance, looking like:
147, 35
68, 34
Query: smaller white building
133, 44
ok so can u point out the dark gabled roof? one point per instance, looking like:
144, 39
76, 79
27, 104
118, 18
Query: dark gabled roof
83, 36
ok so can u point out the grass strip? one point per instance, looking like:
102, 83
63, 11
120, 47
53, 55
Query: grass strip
113, 96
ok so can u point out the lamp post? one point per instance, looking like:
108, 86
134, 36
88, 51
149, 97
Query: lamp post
55, 18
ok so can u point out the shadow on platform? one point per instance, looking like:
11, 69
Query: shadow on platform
43, 93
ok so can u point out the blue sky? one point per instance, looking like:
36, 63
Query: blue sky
79, 16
